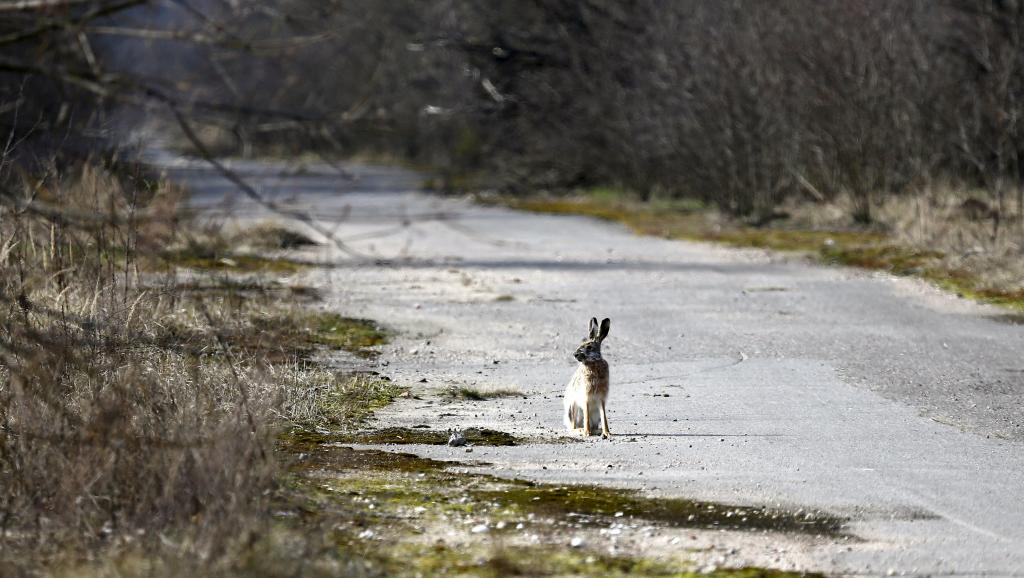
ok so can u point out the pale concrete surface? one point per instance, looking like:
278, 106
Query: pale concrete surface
736, 376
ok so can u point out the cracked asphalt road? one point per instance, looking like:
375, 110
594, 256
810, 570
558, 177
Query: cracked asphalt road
737, 376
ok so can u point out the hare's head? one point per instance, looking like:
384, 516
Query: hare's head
590, 349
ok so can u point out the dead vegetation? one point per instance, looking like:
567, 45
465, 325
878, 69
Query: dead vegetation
141, 388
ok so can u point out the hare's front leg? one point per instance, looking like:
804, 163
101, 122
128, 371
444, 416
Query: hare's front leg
604, 422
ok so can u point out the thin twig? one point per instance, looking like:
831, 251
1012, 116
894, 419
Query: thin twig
302, 216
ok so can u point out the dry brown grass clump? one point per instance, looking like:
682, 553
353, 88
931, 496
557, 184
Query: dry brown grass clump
956, 237
139, 405
114, 430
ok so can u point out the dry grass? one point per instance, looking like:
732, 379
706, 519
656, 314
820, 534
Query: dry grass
139, 407
944, 234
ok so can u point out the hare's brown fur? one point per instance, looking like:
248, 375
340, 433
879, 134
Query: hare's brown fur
587, 392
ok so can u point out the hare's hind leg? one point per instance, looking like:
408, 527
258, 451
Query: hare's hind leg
571, 417
586, 418
604, 422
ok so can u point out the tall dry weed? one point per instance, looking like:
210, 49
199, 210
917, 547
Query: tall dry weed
123, 424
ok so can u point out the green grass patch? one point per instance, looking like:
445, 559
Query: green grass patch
339, 405
351, 401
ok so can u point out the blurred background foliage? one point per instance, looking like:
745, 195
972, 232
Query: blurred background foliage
740, 104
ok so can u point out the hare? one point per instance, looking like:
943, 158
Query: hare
587, 392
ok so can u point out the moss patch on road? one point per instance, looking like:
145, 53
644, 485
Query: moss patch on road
227, 261
339, 332
339, 506
303, 333
407, 436
599, 504
480, 394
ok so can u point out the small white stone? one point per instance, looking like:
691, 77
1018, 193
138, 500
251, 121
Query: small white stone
366, 534
479, 529
576, 542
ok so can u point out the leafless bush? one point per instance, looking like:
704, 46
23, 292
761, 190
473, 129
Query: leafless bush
742, 104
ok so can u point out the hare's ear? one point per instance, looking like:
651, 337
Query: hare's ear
593, 327
605, 326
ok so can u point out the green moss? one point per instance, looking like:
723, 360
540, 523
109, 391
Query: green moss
593, 505
599, 504
475, 394
546, 560
337, 458
400, 435
301, 333
332, 495
559, 561
228, 262
337, 331
504, 298
968, 286
892, 258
